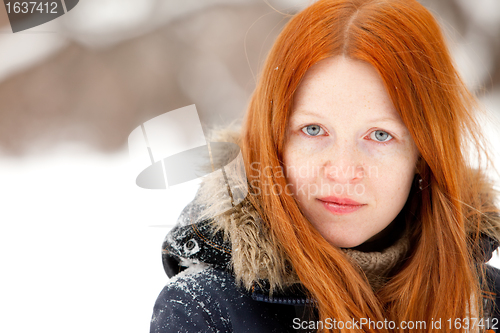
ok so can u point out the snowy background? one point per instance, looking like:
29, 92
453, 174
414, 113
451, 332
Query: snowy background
79, 242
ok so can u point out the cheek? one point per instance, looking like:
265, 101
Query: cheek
300, 169
396, 163
391, 181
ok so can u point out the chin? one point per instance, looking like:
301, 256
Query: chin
346, 243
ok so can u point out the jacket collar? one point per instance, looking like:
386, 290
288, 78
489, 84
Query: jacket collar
187, 245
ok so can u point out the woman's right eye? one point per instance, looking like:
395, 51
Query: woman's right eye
313, 130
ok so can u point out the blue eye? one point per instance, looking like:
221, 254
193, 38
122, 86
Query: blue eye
313, 130
380, 136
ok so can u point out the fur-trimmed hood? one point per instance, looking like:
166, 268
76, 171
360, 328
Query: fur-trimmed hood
212, 230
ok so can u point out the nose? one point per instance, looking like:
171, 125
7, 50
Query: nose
344, 164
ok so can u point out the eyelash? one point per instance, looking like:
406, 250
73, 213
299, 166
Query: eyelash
378, 142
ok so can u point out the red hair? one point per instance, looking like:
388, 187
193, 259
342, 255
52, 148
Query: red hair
403, 42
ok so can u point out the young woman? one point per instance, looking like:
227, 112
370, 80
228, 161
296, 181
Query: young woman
364, 212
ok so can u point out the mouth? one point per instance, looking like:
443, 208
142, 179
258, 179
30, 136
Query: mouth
341, 201
341, 206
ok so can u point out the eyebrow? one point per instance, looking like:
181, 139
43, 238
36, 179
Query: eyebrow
312, 113
380, 120
385, 120
307, 113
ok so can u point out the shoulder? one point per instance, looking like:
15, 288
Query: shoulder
202, 283
191, 302
491, 297
209, 300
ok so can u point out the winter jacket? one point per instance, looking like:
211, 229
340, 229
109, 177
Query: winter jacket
203, 295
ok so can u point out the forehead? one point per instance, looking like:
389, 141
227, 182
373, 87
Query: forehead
343, 85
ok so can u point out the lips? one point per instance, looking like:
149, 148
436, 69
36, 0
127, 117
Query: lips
341, 201
341, 206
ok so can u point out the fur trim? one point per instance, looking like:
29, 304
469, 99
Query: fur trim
256, 254
487, 216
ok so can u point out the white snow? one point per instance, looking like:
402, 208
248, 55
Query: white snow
78, 249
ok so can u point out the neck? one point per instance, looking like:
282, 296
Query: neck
382, 254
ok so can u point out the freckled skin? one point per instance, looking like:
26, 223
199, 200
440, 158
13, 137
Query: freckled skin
347, 99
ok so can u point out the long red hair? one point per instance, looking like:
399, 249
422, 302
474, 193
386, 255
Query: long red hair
403, 42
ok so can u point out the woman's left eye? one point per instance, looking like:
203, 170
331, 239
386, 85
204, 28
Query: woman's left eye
313, 130
380, 136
